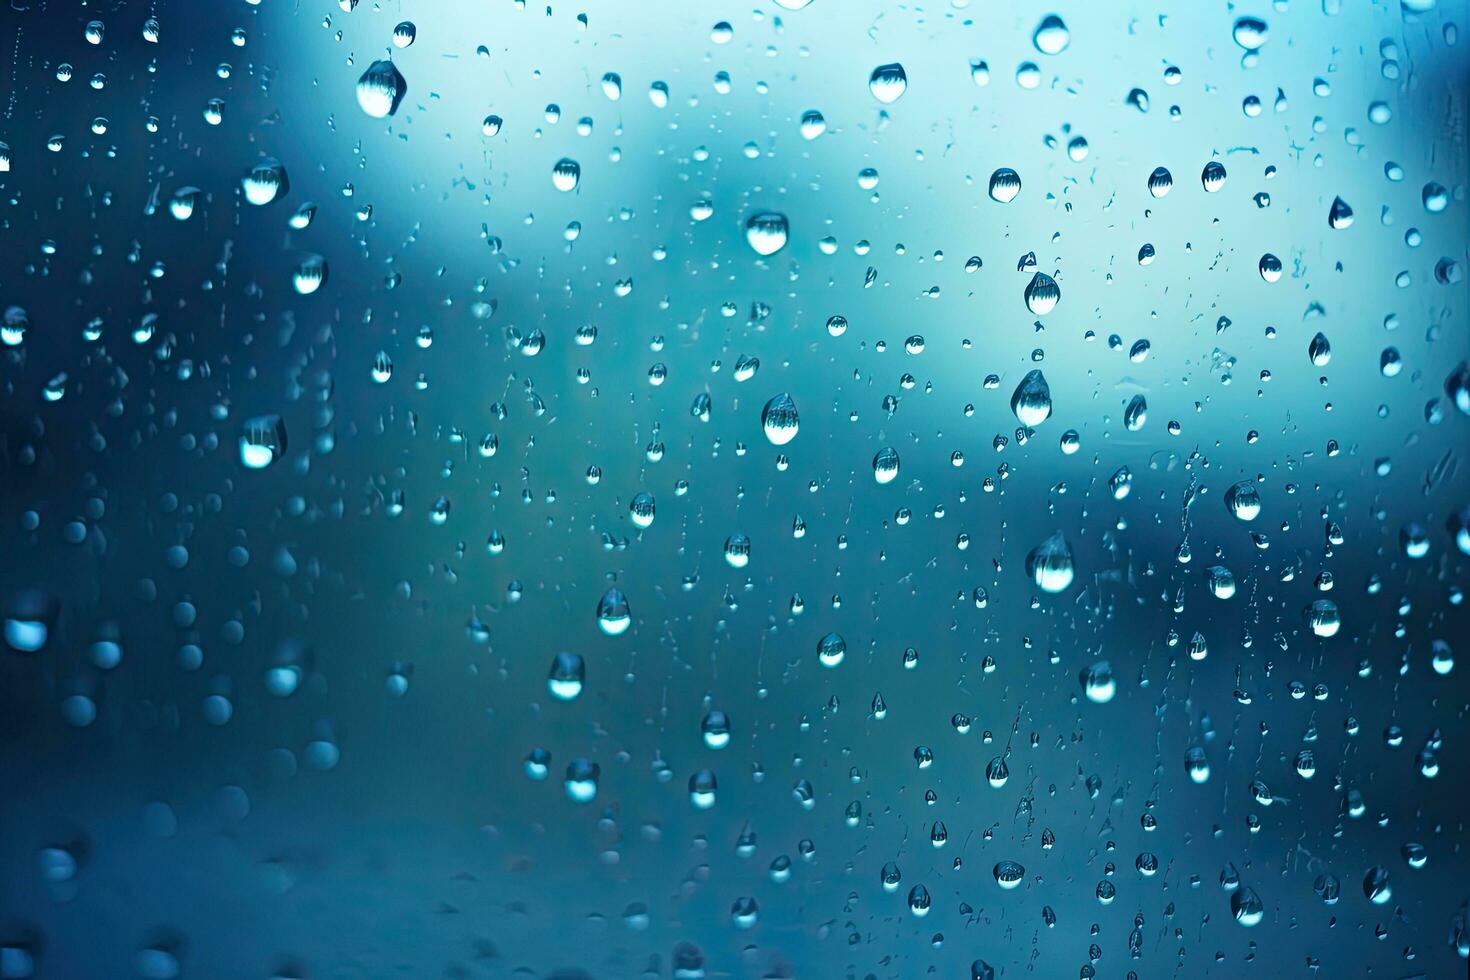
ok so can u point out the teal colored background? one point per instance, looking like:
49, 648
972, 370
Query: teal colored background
425, 851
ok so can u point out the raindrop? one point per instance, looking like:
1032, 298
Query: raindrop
1050, 565
1051, 35
262, 441
766, 232
885, 465
779, 420
888, 83
566, 174
1031, 401
614, 615
1005, 184
380, 89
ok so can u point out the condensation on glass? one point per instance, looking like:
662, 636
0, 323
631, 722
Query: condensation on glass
811, 488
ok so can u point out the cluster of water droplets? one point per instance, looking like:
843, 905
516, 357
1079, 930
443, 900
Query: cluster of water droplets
1137, 627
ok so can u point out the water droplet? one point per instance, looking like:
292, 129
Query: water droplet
1196, 764
566, 174
265, 182
614, 615
1212, 178
1160, 182
1270, 268
1042, 294
888, 83
1247, 907
380, 89
1050, 564
262, 441
885, 465
1319, 351
581, 780
1051, 35
565, 679
1098, 682
779, 420
1005, 184
831, 649
766, 232
1031, 401
1008, 874
1250, 32
1243, 500
309, 275
1323, 618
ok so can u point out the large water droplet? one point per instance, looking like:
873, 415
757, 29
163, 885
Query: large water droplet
888, 83
1098, 682
831, 649
265, 181
566, 174
262, 441
1250, 32
1050, 565
1212, 178
766, 232
1042, 294
1051, 35
885, 465
1031, 401
380, 89
614, 615
1243, 500
1005, 184
779, 420
564, 680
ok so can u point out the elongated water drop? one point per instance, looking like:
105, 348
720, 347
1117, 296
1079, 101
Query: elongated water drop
779, 420
1050, 565
1031, 401
1098, 682
1212, 178
1160, 182
885, 465
1042, 294
614, 615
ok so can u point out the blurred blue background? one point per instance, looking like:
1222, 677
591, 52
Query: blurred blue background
280, 721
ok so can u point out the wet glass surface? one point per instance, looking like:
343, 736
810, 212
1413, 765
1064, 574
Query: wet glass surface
820, 488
